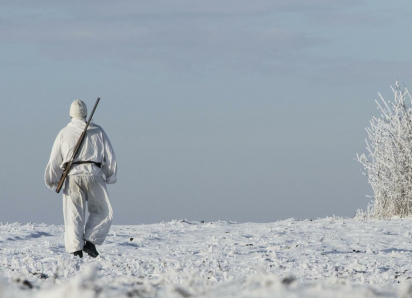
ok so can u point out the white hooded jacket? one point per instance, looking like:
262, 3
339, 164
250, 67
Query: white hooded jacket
96, 147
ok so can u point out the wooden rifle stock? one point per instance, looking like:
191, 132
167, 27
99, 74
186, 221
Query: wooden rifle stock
76, 150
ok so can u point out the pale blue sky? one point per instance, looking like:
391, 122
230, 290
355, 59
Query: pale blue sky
232, 110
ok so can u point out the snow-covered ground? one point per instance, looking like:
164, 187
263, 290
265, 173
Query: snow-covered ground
330, 257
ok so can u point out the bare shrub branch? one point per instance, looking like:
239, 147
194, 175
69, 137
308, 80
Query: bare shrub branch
388, 160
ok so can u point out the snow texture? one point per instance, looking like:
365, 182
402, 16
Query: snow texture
331, 257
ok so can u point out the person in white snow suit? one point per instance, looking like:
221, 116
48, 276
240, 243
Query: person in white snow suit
94, 166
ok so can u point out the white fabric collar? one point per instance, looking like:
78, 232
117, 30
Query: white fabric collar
78, 120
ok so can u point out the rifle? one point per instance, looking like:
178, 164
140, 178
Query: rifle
76, 150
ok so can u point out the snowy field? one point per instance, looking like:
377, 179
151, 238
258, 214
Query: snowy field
330, 257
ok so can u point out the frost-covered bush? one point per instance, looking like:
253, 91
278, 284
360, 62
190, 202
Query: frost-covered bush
388, 161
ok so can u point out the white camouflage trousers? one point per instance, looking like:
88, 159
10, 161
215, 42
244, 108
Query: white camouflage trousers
78, 191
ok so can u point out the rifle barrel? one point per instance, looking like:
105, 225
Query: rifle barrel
76, 149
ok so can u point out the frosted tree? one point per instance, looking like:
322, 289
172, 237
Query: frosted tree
388, 160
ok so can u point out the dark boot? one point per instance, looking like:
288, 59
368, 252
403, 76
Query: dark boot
78, 253
90, 249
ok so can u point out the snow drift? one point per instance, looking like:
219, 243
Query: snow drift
330, 257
